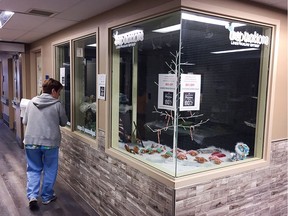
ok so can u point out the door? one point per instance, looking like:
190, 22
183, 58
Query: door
17, 95
11, 94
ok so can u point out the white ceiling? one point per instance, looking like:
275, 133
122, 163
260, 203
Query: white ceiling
26, 28
280, 4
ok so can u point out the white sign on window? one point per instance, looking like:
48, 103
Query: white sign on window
190, 92
79, 52
128, 39
245, 38
167, 91
62, 76
101, 80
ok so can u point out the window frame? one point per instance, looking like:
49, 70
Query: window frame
57, 74
74, 133
73, 125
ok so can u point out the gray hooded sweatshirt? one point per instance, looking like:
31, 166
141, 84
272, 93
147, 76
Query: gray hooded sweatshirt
43, 116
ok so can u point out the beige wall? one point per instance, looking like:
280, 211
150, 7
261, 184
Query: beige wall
280, 120
232, 8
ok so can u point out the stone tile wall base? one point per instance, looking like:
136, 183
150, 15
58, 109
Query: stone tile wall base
115, 188
108, 185
258, 192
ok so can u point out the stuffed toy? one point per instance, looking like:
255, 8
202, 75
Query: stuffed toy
241, 152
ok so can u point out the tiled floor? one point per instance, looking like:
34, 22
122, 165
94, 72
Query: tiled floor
13, 201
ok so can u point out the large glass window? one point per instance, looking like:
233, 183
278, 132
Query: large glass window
189, 91
85, 85
62, 68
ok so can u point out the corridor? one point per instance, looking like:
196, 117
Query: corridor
13, 201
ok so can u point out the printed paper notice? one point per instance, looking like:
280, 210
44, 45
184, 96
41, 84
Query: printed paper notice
62, 76
167, 91
101, 80
190, 92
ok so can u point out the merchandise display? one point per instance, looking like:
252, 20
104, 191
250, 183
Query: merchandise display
190, 91
187, 160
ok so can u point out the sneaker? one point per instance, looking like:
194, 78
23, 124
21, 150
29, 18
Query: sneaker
33, 204
53, 198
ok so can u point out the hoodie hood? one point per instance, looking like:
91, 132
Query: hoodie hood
44, 100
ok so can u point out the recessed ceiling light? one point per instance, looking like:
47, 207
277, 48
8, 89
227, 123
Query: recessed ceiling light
197, 18
4, 17
208, 20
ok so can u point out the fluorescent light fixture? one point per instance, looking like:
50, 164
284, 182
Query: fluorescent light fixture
168, 29
237, 24
92, 45
208, 20
197, 18
4, 17
235, 50
186, 63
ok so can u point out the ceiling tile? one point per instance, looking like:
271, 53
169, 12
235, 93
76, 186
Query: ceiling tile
25, 5
25, 22
29, 28
9, 34
86, 9
281, 4
54, 25
31, 36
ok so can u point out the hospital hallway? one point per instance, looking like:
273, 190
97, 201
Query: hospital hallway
13, 201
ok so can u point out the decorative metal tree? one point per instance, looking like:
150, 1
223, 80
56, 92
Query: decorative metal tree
172, 117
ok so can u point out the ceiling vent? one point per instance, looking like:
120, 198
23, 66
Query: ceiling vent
41, 13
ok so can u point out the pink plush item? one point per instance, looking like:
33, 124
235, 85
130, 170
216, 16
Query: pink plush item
215, 159
218, 154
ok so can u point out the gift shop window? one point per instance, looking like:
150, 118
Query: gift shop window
62, 68
85, 85
189, 91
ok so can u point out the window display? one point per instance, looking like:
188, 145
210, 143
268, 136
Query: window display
85, 85
187, 88
62, 68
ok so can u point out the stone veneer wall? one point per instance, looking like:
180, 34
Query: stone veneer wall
108, 185
258, 192
115, 188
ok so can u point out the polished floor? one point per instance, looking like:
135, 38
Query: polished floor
13, 201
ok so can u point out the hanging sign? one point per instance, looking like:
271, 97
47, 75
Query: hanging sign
190, 92
101, 81
167, 91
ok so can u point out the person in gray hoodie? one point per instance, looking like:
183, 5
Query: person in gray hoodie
43, 116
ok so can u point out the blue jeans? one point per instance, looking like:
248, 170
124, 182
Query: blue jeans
39, 160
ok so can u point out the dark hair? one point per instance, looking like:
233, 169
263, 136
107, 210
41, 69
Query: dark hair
50, 84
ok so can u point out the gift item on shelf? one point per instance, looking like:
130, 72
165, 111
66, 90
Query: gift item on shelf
241, 152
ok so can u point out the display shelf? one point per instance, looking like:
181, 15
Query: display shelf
187, 163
